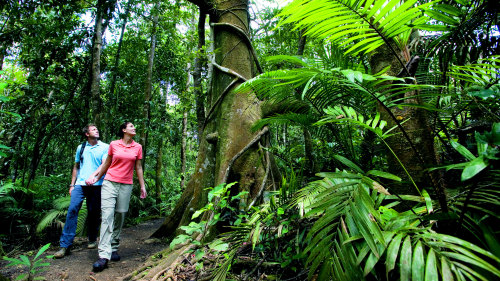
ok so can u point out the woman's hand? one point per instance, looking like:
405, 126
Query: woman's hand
143, 192
91, 180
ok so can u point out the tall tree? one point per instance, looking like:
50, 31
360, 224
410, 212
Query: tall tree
103, 13
228, 149
149, 87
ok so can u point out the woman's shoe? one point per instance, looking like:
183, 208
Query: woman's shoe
100, 265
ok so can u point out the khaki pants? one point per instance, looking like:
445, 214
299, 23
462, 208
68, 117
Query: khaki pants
115, 199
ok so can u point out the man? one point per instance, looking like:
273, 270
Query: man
86, 163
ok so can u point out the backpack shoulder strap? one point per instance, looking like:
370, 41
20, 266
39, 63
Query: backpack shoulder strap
84, 144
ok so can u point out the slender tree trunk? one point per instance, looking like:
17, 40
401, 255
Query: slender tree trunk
198, 65
228, 149
149, 89
310, 166
159, 170
183, 146
117, 58
95, 72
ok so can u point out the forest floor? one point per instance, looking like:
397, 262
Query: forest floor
135, 249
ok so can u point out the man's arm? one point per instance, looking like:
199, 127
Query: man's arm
73, 178
140, 176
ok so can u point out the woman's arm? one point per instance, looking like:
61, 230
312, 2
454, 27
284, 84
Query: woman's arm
140, 176
95, 176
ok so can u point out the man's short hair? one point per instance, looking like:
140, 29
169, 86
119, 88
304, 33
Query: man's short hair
86, 129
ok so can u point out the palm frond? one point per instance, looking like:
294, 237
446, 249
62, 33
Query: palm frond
353, 235
358, 26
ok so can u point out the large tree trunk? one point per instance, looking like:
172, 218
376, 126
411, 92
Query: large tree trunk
148, 91
227, 128
413, 142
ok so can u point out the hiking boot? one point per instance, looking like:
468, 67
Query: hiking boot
100, 265
92, 245
61, 253
115, 256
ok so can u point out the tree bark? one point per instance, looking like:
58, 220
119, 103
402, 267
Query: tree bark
223, 155
199, 61
159, 170
183, 146
117, 57
95, 72
148, 91
415, 145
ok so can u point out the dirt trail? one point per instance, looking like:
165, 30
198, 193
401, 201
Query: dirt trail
135, 248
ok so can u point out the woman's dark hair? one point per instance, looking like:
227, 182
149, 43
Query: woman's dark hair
123, 126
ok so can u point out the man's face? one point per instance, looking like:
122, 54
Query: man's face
93, 132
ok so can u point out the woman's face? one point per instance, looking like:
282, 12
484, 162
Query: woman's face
130, 130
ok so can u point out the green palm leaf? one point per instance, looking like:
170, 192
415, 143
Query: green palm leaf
359, 26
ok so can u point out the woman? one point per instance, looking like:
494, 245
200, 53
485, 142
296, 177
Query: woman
123, 155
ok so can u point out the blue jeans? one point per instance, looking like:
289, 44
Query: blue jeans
93, 195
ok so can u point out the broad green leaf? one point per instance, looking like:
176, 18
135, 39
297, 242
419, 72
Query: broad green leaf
474, 167
417, 267
445, 269
442, 17
180, 239
405, 260
43, 249
431, 273
448, 9
462, 150
370, 263
428, 201
348, 163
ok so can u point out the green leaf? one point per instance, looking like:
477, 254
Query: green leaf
462, 150
445, 269
428, 201
382, 174
442, 17
198, 213
474, 167
417, 267
25, 260
392, 252
405, 260
180, 239
218, 245
348, 163
484, 93
43, 249
431, 267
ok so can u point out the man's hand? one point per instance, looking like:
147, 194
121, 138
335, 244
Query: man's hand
71, 187
143, 192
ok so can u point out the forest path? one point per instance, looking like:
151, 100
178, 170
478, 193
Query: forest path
135, 249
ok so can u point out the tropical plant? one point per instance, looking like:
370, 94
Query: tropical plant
35, 266
365, 236
55, 215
